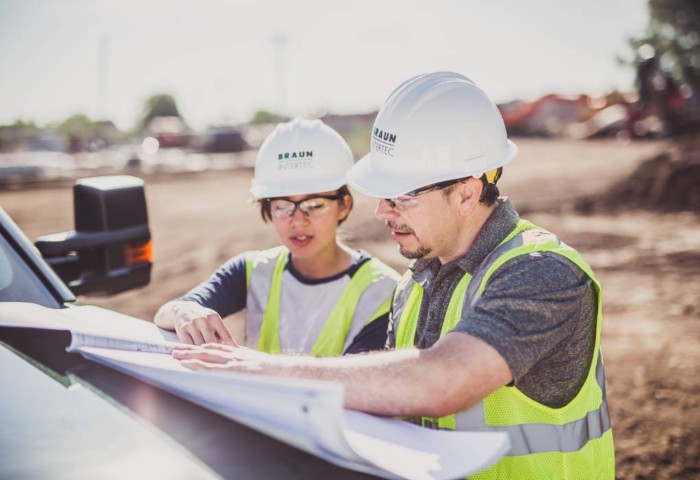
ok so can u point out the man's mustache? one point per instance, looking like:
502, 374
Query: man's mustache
395, 227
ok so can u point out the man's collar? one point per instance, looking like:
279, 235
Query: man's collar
497, 227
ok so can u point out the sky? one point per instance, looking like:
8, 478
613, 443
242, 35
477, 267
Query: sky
224, 59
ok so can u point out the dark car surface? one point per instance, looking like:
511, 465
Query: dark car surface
66, 417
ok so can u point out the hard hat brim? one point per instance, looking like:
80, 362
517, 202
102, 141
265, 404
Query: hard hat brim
365, 177
272, 190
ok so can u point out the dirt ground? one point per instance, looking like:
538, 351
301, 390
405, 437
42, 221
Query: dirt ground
647, 263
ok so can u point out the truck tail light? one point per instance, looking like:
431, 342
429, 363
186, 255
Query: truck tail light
138, 253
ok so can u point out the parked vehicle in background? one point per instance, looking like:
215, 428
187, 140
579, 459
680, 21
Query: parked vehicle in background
224, 140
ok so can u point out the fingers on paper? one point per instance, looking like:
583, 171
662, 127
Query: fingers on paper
224, 336
220, 347
199, 365
200, 354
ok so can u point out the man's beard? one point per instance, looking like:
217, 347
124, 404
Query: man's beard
420, 252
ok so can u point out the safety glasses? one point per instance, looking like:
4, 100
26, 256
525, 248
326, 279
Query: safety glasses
311, 207
409, 200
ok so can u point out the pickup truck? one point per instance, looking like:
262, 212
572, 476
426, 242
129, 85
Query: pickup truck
64, 416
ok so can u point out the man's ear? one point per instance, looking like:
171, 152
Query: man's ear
468, 195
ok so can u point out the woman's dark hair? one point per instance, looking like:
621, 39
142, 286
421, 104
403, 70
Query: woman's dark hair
344, 191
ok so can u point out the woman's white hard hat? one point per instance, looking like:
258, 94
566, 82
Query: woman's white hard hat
433, 127
301, 157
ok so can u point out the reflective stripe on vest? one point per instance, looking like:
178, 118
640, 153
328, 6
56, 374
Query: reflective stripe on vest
532, 438
534, 429
264, 272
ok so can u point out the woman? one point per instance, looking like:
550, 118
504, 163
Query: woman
311, 295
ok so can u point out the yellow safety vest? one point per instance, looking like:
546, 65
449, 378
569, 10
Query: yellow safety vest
574, 441
332, 338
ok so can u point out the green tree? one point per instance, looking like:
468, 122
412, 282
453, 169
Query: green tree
265, 116
14, 135
667, 62
160, 105
82, 126
674, 33
78, 124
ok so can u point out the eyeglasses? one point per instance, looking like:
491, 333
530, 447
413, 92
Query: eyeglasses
408, 200
311, 207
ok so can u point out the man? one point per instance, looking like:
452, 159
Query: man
497, 324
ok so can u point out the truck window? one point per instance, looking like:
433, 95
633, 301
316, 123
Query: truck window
18, 283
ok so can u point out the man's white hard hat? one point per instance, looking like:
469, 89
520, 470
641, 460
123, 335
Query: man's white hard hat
433, 127
300, 157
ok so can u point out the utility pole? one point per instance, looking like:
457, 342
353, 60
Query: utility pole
101, 105
279, 71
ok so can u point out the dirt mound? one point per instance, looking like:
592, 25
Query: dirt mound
668, 182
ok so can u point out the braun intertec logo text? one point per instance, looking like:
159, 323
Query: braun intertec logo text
295, 160
295, 155
383, 142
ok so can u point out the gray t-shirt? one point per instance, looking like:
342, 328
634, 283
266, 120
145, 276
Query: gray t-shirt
538, 311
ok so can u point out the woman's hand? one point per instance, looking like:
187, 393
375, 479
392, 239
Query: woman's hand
193, 323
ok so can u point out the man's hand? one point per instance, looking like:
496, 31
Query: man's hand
218, 357
194, 323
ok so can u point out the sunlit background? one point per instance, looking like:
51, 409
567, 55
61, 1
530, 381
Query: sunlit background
223, 60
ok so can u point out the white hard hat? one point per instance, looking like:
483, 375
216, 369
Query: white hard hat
433, 127
300, 157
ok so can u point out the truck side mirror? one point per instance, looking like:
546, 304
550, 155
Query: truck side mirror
110, 249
